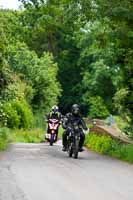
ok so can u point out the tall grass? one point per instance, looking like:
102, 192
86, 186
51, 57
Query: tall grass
108, 146
4, 138
28, 136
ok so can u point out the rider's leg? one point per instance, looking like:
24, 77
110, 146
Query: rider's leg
64, 140
81, 142
56, 135
47, 131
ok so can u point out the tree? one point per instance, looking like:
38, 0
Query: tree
38, 73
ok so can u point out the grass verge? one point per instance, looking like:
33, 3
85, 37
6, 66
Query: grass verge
4, 138
108, 146
28, 136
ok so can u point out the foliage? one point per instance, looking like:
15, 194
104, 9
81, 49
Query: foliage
108, 146
61, 130
38, 73
28, 136
102, 144
27, 82
128, 130
91, 43
16, 114
83, 47
97, 108
120, 100
123, 124
4, 138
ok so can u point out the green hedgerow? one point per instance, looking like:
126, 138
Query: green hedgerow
106, 145
4, 138
18, 114
97, 108
24, 112
101, 144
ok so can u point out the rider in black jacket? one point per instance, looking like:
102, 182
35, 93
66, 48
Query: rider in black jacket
69, 119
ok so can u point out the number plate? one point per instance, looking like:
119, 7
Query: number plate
48, 136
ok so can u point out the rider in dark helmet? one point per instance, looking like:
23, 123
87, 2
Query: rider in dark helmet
69, 119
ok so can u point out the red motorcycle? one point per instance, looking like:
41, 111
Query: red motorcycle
52, 131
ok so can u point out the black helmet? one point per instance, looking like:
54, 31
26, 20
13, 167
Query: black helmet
75, 109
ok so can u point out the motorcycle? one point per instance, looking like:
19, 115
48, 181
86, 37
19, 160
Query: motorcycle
73, 140
52, 134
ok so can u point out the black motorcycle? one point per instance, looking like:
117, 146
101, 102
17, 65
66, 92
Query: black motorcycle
73, 140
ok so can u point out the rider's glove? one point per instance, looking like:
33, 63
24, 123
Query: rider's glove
86, 131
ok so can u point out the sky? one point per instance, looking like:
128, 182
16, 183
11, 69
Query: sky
10, 4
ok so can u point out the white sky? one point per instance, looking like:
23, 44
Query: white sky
10, 4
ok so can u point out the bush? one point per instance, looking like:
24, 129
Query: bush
108, 146
97, 108
24, 112
125, 125
101, 144
129, 150
128, 130
17, 114
12, 118
4, 138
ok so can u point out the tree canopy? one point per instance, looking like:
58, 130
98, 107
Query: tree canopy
69, 51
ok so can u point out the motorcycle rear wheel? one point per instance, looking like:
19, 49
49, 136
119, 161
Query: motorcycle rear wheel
52, 140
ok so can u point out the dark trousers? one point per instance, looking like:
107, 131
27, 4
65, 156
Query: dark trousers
64, 138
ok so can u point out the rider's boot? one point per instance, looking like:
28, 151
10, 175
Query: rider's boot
64, 148
81, 149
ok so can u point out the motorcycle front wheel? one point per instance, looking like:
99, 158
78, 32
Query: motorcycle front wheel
70, 150
76, 148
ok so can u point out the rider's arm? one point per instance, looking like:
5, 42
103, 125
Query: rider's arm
83, 124
64, 122
60, 116
47, 117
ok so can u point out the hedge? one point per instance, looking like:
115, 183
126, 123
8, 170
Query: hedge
106, 145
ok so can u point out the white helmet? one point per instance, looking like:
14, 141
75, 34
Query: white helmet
55, 109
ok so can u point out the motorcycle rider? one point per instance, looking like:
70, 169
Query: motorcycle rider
69, 119
54, 114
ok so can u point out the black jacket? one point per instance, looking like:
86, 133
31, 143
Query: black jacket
69, 119
53, 116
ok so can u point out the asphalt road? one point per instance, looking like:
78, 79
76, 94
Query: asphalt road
41, 172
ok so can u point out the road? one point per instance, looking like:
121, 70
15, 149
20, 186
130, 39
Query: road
41, 172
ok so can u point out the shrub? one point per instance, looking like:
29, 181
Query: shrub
129, 131
101, 144
107, 145
18, 114
97, 108
12, 117
129, 150
24, 112
125, 125
4, 138
3, 116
